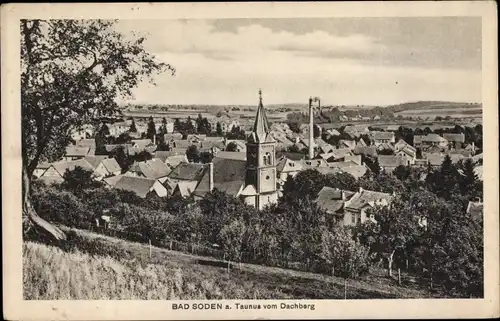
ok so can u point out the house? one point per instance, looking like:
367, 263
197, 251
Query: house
356, 206
56, 171
40, 169
409, 153
104, 166
313, 163
402, 144
152, 169
75, 152
164, 155
390, 162
228, 175
332, 200
112, 180
240, 144
349, 167
84, 132
141, 186
454, 140
377, 117
337, 155
393, 128
286, 168
171, 136
118, 128
356, 159
435, 159
344, 143
381, 137
361, 143
366, 151
385, 147
189, 173
470, 148
86, 143
232, 155
429, 140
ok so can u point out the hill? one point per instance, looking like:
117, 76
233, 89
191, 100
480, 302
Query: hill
102, 267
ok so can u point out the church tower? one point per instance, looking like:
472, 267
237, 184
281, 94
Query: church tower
260, 181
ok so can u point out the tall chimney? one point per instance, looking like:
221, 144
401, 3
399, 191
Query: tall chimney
211, 176
154, 139
311, 130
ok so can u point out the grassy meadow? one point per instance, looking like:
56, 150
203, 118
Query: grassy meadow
98, 267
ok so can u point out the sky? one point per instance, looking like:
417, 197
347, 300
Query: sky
344, 61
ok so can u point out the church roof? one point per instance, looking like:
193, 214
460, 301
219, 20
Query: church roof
261, 129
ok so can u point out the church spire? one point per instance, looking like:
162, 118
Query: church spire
261, 126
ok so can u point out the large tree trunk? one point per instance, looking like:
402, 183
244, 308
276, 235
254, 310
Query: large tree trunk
390, 259
31, 220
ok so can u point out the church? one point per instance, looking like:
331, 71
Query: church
260, 178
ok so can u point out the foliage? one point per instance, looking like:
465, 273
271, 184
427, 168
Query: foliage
151, 131
192, 154
232, 147
78, 179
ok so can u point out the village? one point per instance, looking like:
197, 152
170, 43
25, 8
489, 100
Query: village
170, 171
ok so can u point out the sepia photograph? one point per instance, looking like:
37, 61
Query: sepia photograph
252, 158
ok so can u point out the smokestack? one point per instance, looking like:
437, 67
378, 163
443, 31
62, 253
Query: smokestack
211, 176
311, 130
154, 139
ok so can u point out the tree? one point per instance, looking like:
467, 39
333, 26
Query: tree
396, 228
294, 127
468, 182
71, 71
178, 125
402, 172
79, 179
344, 256
219, 129
192, 153
122, 158
151, 131
316, 131
232, 147
163, 127
133, 128
231, 239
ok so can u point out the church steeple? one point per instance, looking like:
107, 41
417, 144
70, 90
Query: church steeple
261, 127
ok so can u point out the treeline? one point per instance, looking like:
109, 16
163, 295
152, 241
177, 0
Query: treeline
296, 233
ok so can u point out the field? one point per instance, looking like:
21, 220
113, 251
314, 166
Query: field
101, 267
455, 110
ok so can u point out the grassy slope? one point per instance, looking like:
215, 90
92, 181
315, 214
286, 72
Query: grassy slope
125, 271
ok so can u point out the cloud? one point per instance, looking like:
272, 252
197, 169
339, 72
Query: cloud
228, 67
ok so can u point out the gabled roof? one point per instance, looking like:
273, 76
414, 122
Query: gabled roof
382, 135
175, 160
94, 161
140, 186
249, 190
76, 151
163, 155
365, 198
159, 168
390, 160
185, 188
86, 142
232, 155
332, 199
229, 177
287, 165
433, 138
347, 143
61, 167
188, 172
348, 167
435, 159
112, 180
459, 138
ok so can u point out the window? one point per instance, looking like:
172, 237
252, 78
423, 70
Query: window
353, 218
267, 159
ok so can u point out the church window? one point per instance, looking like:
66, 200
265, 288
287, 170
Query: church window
267, 159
